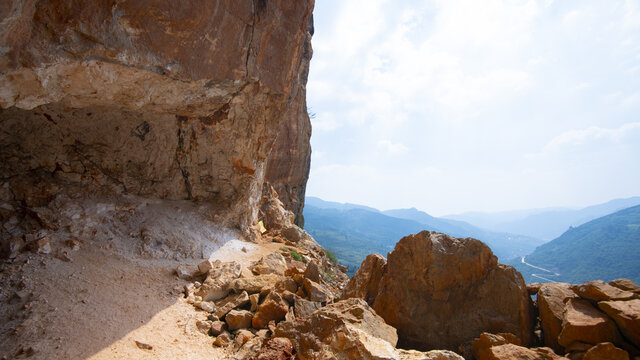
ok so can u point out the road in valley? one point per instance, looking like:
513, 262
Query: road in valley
539, 276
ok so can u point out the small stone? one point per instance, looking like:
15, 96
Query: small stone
40, 246
255, 299
205, 306
286, 284
74, 244
213, 317
273, 308
232, 302
143, 346
64, 256
238, 319
186, 272
304, 308
218, 327
312, 272
316, 291
205, 266
223, 339
16, 245
203, 326
278, 348
242, 336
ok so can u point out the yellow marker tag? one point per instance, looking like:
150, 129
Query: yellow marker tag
262, 228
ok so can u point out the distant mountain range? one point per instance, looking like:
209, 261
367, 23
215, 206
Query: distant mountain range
545, 224
353, 231
605, 248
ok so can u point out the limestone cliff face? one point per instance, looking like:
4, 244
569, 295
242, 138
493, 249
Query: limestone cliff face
199, 99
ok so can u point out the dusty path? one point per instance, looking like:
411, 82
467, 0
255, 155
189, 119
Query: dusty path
100, 303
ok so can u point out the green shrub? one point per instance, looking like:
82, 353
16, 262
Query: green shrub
331, 256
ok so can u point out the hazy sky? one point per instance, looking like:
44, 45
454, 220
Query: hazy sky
453, 106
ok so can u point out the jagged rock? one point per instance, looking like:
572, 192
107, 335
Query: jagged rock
625, 284
312, 272
243, 336
224, 339
208, 265
582, 322
270, 264
254, 284
512, 352
441, 292
272, 308
626, 314
186, 272
551, 303
507, 346
182, 120
217, 284
303, 308
217, 327
533, 288
598, 290
317, 292
276, 217
254, 299
293, 233
605, 351
204, 326
286, 284
348, 329
366, 282
277, 348
230, 303
238, 319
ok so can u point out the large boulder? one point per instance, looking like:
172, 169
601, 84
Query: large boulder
626, 314
366, 282
598, 290
625, 284
551, 303
507, 347
348, 329
582, 322
441, 292
605, 351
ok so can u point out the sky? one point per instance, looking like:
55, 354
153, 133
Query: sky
454, 106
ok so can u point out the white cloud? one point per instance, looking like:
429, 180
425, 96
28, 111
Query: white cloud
462, 87
592, 134
325, 122
388, 146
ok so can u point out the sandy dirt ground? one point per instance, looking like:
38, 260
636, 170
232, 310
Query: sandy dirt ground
100, 303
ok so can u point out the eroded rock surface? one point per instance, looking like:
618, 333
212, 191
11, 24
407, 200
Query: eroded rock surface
203, 101
551, 304
441, 292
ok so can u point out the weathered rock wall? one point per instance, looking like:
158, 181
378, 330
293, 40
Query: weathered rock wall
201, 100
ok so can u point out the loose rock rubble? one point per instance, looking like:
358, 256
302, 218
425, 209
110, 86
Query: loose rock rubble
245, 307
